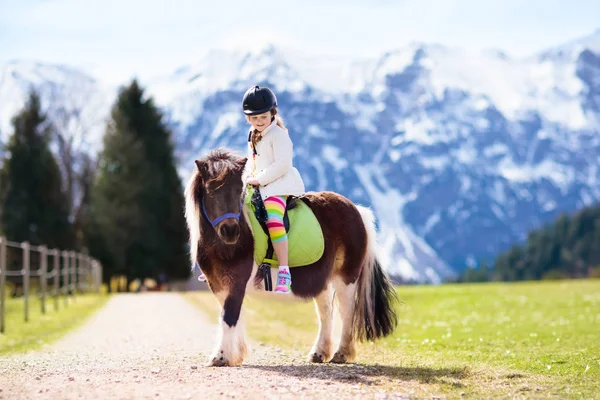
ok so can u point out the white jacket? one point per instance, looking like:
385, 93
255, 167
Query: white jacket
274, 168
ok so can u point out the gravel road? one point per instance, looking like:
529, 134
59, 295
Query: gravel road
155, 346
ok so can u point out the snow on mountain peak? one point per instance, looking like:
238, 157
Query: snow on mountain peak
514, 87
466, 149
72, 97
225, 69
590, 42
569, 51
33, 73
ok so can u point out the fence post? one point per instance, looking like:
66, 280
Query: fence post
73, 273
86, 272
2, 281
43, 275
26, 271
87, 269
94, 275
98, 271
77, 264
81, 272
65, 272
56, 277
100, 276
92, 279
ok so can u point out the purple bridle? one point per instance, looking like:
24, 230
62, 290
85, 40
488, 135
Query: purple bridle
214, 222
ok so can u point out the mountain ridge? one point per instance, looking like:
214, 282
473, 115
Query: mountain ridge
458, 151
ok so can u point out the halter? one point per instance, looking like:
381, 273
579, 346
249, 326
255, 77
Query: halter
214, 222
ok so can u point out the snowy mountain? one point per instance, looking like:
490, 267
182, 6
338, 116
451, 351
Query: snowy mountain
467, 150
74, 101
459, 153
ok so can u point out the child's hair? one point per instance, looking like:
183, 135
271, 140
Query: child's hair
275, 114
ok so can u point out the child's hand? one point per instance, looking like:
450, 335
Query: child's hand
253, 182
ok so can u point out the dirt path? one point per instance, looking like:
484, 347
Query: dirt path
155, 345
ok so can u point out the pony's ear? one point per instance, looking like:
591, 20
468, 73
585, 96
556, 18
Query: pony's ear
202, 168
241, 163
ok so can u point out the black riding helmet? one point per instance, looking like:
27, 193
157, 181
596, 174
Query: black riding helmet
258, 100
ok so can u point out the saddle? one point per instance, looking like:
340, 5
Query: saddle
305, 237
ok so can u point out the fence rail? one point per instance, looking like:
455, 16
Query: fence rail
79, 272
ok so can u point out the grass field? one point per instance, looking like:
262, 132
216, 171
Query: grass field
44, 328
523, 340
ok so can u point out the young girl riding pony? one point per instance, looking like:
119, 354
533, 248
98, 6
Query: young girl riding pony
270, 169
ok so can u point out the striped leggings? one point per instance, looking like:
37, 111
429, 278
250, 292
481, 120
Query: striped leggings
275, 206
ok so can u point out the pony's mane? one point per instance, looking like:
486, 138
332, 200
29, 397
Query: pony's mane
220, 162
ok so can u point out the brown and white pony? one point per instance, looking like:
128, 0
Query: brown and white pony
222, 243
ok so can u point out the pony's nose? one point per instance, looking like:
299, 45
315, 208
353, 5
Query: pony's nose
230, 230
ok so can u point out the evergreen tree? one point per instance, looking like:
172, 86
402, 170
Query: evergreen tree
33, 205
137, 202
569, 247
163, 200
115, 217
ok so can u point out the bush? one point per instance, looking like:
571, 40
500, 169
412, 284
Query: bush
554, 275
595, 272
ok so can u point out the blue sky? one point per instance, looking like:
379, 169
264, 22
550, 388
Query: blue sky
117, 39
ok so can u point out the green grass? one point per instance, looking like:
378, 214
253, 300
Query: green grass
525, 340
20, 336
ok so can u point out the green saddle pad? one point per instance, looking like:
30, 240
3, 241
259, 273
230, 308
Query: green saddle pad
305, 237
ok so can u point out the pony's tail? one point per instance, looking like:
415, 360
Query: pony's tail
375, 316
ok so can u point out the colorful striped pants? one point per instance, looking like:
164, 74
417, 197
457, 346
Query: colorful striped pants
275, 206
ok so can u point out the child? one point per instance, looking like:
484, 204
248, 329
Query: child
270, 168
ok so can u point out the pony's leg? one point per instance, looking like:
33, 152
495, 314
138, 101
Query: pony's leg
322, 349
231, 349
345, 294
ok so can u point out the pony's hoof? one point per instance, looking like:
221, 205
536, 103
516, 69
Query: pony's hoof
218, 362
339, 358
317, 358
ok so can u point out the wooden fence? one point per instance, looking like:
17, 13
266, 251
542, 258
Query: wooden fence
67, 274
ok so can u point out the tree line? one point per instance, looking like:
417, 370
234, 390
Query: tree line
568, 247
124, 205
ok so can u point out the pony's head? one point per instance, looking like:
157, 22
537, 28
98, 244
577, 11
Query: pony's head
213, 195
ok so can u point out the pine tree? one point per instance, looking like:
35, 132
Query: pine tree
33, 205
115, 217
163, 201
569, 247
137, 202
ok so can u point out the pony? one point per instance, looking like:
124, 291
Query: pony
222, 243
